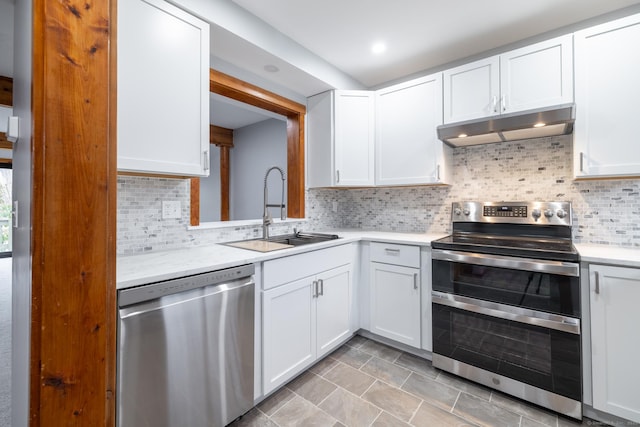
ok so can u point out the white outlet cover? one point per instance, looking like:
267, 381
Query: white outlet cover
171, 209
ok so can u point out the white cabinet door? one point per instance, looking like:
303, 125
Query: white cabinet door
607, 63
534, 76
163, 89
408, 150
537, 76
289, 337
340, 139
615, 341
354, 138
395, 302
333, 311
472, 90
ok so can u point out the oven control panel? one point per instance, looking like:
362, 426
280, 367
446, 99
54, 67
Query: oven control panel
538, 213
505, 211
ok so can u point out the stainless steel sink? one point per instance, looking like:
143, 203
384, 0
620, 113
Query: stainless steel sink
283, 241
298, 239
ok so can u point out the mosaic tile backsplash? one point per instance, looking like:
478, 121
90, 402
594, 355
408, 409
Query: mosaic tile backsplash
605, 211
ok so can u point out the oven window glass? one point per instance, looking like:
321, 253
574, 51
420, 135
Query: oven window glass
538, 291
545, 358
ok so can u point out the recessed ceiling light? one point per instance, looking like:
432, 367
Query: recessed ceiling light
378, 48
462, 135
539, 125
270, 68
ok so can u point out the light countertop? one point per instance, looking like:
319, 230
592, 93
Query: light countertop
612, 255
135, 270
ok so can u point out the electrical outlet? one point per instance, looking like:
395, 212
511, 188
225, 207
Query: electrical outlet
171, 209
335, 206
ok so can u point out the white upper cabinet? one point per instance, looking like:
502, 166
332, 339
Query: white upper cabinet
534, 76
607, 100
537, 76
472, 90
163, 89
340, 139
408, 150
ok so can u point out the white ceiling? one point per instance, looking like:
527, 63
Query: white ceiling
420, 34
231, 114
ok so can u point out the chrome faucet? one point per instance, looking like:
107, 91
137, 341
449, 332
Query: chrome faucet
267, 220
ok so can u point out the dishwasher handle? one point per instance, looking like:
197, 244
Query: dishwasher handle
148, 292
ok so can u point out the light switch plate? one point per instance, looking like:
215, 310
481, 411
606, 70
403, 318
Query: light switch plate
171, 209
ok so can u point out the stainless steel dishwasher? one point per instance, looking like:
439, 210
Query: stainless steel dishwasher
185, 350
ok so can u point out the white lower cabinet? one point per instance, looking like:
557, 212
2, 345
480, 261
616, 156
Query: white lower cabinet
306, 318
615, 340
394, 287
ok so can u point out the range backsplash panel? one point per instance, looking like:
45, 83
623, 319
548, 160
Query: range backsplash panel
605, 211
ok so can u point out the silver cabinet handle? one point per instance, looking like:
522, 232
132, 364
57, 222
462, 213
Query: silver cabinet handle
504, 102
597, 282
205, 155
581, 161
321, 283
437, 172
315, 289
494, 104
415, 280
337, 176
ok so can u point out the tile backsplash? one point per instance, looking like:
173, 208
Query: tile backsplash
605, 211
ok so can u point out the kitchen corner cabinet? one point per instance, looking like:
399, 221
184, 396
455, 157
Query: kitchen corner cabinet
408, 150
340, 139
615, 342
534, 76
394, 287
163, 90
607, 100
307, 317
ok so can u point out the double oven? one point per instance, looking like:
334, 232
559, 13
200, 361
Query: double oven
506, 301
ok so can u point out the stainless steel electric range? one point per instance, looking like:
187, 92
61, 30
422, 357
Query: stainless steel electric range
506, 301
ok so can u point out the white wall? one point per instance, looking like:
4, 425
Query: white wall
257, 147
6, 38
21, 279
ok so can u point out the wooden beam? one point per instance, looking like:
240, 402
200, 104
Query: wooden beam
220, 137
195, 201
295, 165
4, 143
225, 182
73, 255
231, 87
6, 91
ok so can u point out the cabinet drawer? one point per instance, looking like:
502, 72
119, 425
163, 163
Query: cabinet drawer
287, 269
390, 253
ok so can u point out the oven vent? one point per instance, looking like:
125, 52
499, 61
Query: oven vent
550, 121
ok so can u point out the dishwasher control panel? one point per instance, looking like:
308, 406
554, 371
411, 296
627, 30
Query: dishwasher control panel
152, 291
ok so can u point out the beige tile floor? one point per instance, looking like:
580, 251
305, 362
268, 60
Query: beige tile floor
365, 383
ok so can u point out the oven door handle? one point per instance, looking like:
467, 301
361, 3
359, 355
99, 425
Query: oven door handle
501, 311
514, 263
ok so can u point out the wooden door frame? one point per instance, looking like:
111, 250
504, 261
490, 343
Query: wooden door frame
73, 239
231, 87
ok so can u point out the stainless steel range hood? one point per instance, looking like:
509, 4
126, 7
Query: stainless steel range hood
551, 121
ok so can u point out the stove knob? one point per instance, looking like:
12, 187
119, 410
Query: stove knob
466, 211
561, 213
457, 211
548, 213
536, 213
